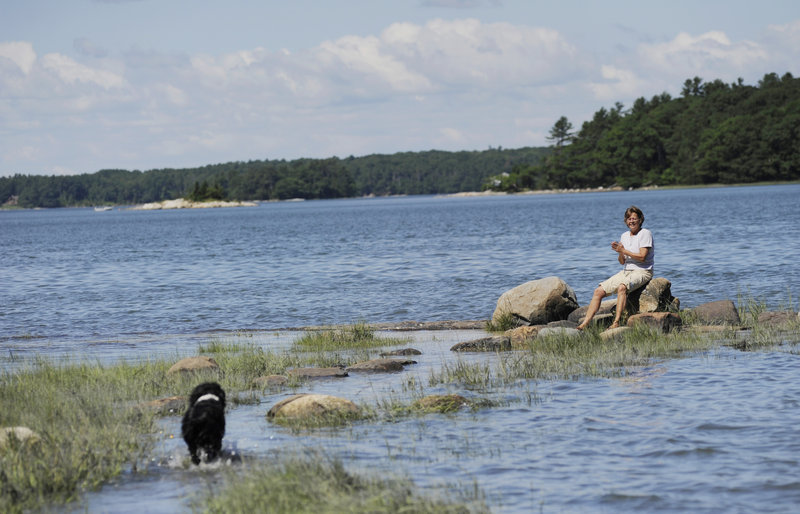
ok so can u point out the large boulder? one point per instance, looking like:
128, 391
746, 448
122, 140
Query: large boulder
537, 302
721, 312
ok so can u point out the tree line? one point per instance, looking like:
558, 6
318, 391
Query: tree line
714, 133
408, 173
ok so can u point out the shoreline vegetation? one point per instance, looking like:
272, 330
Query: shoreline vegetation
183, 203
714, 133
95, 424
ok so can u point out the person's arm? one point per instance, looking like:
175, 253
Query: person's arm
641, 256
622, 252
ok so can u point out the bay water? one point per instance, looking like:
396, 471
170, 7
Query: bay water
707, 433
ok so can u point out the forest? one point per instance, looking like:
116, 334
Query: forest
714, 133
431, 172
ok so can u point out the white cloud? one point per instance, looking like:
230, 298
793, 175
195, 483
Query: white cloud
71, 72
698, 55
618, 83
20, 53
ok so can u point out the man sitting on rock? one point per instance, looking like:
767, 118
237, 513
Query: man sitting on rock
636, 253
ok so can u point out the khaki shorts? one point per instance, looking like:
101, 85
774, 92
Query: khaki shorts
632, 279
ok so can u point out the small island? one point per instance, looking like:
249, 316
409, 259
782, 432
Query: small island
182, 203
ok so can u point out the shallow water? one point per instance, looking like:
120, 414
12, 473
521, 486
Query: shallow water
716, 432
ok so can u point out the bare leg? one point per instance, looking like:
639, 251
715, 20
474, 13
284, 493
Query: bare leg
622, 301
594, 306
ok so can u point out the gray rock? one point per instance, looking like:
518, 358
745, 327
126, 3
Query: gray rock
403, 351
537, 302
381, 365
777, 318
722, 312
333, 372
485, 344
559, 331
269, 381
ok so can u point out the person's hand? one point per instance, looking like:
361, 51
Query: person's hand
617, 247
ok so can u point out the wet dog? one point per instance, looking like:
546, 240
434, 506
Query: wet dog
203, 425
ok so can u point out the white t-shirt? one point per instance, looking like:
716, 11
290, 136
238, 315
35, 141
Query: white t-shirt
642, 239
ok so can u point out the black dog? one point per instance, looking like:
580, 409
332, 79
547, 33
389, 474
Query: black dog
203, 425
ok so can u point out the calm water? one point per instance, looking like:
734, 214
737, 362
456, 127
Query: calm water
709, 433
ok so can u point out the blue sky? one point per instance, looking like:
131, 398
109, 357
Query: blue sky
141, 84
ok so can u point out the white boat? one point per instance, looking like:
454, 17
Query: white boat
103, 208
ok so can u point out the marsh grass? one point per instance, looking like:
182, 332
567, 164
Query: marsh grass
90, 427
356, 336
314, 484
567, 357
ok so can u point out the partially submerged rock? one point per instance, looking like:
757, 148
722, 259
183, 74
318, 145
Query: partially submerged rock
333, 372
318, 407
401, 352
484, 344
537, 302
270, 381
382, 365
777, 318
440, 403
194, 364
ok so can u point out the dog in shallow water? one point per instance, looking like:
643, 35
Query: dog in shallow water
203, 425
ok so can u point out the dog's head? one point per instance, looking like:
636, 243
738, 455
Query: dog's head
208, 391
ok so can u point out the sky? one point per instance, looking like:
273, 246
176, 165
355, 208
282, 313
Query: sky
87, 85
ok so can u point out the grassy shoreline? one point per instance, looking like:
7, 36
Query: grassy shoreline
93, 427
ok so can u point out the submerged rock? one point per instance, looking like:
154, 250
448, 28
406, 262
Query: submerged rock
333, 372
381, 365
269, 381
484, 344
403, 351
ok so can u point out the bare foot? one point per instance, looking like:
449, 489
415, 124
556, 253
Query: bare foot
580, 327
613, 325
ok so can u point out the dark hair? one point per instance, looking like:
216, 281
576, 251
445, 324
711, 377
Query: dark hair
634, 210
